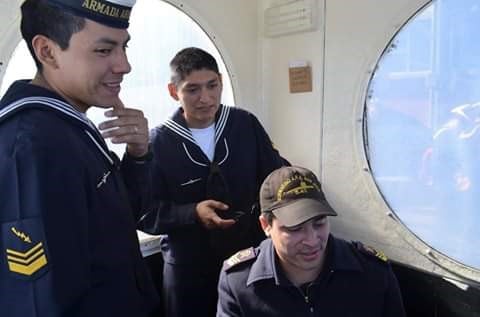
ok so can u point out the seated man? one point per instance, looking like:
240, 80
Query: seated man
303, 269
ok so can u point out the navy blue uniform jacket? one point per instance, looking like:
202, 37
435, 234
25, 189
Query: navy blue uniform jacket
68, 243
353, 283
244, 155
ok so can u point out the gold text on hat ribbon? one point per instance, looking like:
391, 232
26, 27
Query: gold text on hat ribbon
105, 9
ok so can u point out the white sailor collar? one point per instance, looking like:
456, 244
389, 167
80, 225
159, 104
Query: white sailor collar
178, 125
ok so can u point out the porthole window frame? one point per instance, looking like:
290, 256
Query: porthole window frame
456, 268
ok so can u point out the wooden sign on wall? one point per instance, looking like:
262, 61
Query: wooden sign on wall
300, 79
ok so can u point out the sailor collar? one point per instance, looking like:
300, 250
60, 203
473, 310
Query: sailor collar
56, 104
178, 125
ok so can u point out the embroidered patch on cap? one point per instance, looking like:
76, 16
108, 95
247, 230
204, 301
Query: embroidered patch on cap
24, 253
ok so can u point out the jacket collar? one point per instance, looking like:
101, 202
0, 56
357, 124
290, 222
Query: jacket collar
38, 97
178, 125
339, 258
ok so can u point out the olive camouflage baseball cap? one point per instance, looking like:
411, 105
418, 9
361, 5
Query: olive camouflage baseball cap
294, 195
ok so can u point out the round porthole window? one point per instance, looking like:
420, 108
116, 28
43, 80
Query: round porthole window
422, 127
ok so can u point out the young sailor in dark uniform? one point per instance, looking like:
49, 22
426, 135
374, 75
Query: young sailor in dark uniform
67, 231
211, 162
303, 270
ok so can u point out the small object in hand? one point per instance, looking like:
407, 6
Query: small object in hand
231, 214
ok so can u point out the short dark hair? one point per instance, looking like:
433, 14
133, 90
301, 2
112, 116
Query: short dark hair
191, 59
39, 17
269, 216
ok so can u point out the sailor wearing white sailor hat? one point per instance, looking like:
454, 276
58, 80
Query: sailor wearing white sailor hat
81, 46
68, 245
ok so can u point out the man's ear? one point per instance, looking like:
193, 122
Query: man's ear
265, 226
172, 89
44, 49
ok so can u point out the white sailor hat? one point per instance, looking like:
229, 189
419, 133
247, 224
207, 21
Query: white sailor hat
114, 13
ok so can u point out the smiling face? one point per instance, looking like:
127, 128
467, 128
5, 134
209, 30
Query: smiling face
89, 72
199, 95
300, 249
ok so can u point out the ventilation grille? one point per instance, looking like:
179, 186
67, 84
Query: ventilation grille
291, 17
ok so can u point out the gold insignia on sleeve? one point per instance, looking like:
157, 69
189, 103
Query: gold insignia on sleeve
378, 254
239, 257
21, 235
381, 255
28, 262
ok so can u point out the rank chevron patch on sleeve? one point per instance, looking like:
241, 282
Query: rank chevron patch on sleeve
28, 262
24, 251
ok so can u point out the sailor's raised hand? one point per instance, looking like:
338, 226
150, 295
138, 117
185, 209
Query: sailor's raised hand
127, 126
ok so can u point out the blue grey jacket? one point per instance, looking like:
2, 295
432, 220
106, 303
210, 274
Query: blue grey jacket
354, 282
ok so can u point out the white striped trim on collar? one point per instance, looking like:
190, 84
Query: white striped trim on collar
190, 156
100, 147
59, 106
187, 134
227, 153
221, 123
51, 102
180, 130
